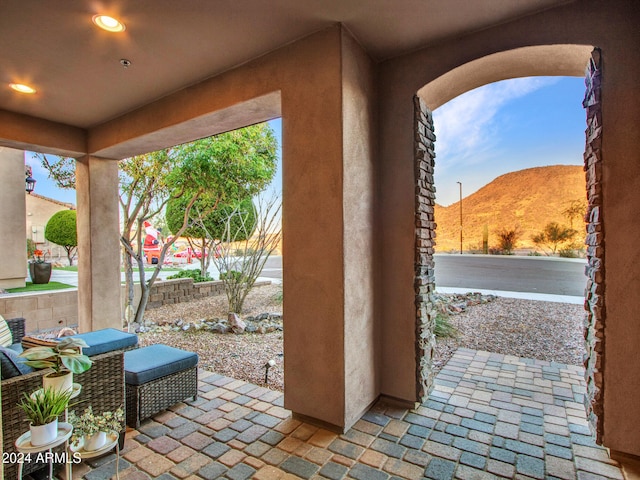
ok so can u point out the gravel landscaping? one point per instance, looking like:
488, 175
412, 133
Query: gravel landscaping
524, 328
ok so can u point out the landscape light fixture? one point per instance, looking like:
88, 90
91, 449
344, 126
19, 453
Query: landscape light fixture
30, 182
267, 366
108, 23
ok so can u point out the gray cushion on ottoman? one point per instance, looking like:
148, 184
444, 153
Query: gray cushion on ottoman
107, 340
148, 363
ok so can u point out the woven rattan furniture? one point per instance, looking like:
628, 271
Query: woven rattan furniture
102, 388
157, 377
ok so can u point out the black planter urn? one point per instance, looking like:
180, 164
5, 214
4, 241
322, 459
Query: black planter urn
40, 272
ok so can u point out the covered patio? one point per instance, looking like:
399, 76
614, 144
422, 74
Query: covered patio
489, 416
354, 83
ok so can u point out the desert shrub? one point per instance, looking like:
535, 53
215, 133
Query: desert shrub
196, 274
507, 239
231, 274
444, 328
279, 297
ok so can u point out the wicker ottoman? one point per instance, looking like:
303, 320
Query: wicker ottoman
157, 377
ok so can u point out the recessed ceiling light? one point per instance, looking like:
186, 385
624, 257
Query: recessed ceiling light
108, 23
19, 87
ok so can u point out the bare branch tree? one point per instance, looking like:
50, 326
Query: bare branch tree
241, 261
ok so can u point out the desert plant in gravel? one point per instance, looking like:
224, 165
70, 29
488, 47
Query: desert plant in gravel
245, 247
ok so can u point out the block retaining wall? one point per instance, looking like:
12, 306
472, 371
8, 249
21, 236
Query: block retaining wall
49, 310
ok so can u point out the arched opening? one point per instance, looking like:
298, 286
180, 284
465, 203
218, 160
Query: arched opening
568, 60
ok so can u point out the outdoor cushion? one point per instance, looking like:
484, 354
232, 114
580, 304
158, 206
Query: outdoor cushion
11, 364
16, 347
107, 340
6, 338
149, 363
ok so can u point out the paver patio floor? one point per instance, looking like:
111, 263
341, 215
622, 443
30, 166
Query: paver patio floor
489, 416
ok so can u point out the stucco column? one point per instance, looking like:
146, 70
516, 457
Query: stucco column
98, 244
12, 219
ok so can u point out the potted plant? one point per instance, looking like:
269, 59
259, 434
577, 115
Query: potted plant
93, 429
42, 408
39, 268
65, 358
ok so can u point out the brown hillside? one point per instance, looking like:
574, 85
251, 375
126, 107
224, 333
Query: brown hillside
528, 199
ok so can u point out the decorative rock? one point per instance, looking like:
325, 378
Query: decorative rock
236, 323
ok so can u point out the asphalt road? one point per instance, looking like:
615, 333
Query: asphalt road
555, 276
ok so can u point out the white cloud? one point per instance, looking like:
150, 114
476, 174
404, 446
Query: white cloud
466, 127
468, 131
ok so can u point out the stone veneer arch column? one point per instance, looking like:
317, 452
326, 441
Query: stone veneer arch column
424, 280
425, 227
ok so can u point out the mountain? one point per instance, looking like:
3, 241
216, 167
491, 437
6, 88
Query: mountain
527, 199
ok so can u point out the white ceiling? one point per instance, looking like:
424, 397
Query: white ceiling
52, 44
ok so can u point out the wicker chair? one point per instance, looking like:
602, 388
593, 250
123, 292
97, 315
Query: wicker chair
102, 388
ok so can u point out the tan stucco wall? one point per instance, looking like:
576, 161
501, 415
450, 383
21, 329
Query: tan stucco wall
361, 347
39, 211
303, 83
13, 262
98, 244
611, 26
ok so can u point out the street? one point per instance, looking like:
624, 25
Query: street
541, 275
549, 275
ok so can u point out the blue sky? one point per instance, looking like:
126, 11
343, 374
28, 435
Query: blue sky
482, 134
504, 127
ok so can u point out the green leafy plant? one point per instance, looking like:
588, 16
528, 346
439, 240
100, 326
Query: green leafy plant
196, 274
89, 423
63, 356
45, 405
231, 275
61, 230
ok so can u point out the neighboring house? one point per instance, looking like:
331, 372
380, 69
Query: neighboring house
39, 210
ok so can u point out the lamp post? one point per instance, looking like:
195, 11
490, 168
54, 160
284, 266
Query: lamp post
460, 183
29, 181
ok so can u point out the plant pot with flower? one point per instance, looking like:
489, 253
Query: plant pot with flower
42, 408
91, 432
65, 358
39, 268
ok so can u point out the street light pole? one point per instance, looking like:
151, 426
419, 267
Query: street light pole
460, 183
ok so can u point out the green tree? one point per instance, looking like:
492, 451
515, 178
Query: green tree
204, 231
553, 237
61, 230
223, 168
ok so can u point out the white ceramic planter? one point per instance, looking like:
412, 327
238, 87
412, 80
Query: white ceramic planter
95, 441
62, 383
43, 434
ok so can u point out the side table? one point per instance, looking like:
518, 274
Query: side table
112, 441
23, 445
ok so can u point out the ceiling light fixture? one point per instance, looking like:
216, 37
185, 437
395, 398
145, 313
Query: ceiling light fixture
19, 87
108, 23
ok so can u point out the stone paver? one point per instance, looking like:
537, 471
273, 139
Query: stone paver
489, 416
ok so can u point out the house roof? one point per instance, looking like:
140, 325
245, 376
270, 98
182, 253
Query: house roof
80, 81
